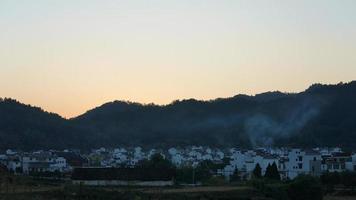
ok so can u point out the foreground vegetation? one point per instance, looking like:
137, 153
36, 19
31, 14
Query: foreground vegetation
261, 188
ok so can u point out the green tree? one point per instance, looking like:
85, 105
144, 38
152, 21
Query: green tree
330, 180
184, 174
272, 172
257, 172
235, 176
157, 161
348, 179
305, 187
268, 170
203, 171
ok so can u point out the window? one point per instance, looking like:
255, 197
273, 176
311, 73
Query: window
300, 165
300, 158
314, 158
329, 166
336, 166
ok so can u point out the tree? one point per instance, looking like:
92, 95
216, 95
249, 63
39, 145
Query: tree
348, 179
257, 172
305, 187
235, 176
203, 171
272, 172
330, 180
268, 171
157, 161
185, 174
18, 170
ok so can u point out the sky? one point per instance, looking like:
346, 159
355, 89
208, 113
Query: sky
68, 56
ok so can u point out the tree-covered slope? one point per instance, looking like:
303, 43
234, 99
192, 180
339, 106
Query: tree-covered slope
25, 127
322, 115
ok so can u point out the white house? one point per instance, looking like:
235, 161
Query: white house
351, 163
336, 162
42, 162
303, 162
14, 163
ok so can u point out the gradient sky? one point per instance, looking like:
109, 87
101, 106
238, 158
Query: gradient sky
68, 56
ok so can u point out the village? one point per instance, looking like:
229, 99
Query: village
290, 162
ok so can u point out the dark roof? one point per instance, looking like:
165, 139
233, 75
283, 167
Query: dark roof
126, 174
311, 152
341, 154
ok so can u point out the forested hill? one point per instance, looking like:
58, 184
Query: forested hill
323, 115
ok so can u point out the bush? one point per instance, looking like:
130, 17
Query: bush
235, 177
276, 191
305, 187
184, 175
215, 180
258, 184
348, 179
271, 189
330, 180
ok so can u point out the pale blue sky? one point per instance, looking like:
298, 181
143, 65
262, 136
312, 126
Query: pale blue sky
69, 55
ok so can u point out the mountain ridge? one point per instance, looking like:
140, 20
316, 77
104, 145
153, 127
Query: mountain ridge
320, 115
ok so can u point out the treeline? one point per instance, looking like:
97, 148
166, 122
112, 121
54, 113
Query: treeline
333, 180
306, 187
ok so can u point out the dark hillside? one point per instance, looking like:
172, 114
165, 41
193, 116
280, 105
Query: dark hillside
323, 115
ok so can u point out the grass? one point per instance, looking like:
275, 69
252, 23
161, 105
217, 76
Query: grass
73, 192
25, 188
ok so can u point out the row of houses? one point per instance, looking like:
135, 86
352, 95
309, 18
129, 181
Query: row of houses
291, 162
130, 157
41, 161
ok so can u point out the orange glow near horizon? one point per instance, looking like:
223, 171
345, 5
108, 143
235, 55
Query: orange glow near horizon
70, 56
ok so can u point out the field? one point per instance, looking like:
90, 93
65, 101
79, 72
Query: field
70, 192
22, 188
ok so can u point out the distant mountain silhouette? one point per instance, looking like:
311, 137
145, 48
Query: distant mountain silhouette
323, 115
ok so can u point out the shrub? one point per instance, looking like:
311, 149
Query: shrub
215, 180
305, 187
